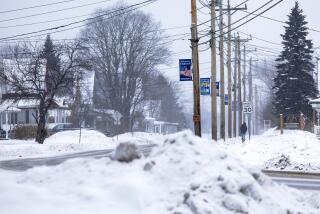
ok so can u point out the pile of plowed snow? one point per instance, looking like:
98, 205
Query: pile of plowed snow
185, 174
294, 150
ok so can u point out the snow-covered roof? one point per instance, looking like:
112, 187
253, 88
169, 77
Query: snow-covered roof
165, 123
315, 101
27, 103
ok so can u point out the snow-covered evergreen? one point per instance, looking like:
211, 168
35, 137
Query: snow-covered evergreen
294, 84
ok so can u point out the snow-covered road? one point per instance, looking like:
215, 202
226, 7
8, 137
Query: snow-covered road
27, 163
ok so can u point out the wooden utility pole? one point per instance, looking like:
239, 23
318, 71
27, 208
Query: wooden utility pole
229, 74
213, 73
250, 95
222, 107
235, 88
239, 84
250, 98
256, 107
244, 78
195, 69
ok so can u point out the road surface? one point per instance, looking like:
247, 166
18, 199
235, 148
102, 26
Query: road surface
307, 181
27, 163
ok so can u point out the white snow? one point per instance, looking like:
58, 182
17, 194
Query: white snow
68, 142
294, 150
185, 174
57, 144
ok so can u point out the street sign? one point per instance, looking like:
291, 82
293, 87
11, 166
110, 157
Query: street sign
247, 107
185, 69
205, 86
226, 99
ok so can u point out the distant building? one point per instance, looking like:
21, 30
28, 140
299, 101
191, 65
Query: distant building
24, 111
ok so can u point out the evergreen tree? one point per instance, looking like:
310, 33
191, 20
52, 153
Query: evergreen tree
294, 84
52, 64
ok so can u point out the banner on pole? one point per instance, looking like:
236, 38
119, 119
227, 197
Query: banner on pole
205, 86
185, 69
217, 88
226, 99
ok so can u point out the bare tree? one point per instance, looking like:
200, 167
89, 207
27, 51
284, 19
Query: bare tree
33, 71
124, 50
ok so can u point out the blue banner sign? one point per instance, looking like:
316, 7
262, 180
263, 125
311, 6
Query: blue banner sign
205, 86
185, 69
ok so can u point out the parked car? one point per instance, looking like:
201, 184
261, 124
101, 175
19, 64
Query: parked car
61, 127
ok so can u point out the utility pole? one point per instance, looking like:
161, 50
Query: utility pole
235, 88
239, 84
195, 69
317, 73
250, 94
222, 107
213, 70
229, 74
213, 73
244, 78
256, 109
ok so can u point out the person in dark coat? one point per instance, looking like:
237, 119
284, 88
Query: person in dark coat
243, 131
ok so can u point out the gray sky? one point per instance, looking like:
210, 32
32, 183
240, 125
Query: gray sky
171, 13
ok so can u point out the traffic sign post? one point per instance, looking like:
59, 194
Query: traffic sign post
247, 107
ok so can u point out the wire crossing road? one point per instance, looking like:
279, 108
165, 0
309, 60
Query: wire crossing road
27, 163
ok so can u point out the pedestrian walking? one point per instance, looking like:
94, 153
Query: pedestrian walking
243, 131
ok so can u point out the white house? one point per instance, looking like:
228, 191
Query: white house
25, 111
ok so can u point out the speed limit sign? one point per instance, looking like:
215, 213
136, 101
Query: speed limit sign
247, 107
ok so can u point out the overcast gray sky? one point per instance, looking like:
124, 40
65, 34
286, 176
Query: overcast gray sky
170, 13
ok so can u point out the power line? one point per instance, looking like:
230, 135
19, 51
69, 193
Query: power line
53, 11
221, 14
36, 6
269, 8
141, 4
279, 21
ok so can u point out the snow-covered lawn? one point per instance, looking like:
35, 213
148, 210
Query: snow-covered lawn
294, 150
68, 142
184, 174
57, 144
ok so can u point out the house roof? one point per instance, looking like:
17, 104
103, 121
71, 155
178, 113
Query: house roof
25, 103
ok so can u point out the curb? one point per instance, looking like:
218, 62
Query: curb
295, 174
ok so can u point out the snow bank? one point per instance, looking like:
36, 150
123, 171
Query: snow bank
57, 144
87, 136
140, 138
185, 174
294, 150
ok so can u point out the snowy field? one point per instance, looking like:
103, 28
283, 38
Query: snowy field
294, 150
68, 142
184, 174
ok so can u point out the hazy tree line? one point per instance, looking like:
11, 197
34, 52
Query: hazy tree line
123, 52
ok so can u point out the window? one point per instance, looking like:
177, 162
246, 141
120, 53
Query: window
4, 118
